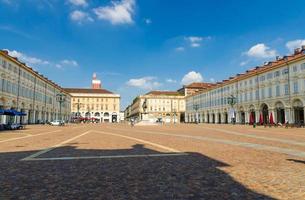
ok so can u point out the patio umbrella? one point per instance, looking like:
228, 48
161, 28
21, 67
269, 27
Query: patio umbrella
271, 121
261, 119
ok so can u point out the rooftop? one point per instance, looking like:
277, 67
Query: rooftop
200, 85
166, 93
87, 90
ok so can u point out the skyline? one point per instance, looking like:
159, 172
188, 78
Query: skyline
134, 49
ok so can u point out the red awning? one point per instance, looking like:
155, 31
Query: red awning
261, 121
271, 121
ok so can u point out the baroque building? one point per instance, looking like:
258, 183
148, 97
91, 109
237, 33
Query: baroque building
25, 90
95, 102
275, 90
168, 106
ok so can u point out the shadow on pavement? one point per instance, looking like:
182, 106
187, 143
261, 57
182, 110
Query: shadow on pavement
192, 176
297, 161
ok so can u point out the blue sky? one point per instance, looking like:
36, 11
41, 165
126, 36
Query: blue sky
139, 45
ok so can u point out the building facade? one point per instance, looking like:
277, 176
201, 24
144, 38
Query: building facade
167, 106
194, 88
25, 90
275, 90
97, 103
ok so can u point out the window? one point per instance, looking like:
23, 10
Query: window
263, 93
285, 71
4, 64
295, 68
295, 87
256, 94
277, 74
270, 92
277, 91
269, 76
262, 78
286, 89
303, 66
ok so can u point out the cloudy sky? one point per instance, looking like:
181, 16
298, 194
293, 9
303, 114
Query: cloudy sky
139, 45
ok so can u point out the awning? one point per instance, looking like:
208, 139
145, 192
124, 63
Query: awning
1, 112
13, 113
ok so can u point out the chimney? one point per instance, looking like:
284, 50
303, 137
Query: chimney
297, 50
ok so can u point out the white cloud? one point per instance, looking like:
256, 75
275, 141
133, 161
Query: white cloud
79, 2
243, 63
191, 77
27, 59
147, 21
194, 41
66, 63
291, 45
180, 49
80, 16
120, 12
212, 80
69, 62
261, 51
147, 83
169, 80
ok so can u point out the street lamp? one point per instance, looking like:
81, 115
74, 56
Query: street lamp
196, 108
61, 98
232, 101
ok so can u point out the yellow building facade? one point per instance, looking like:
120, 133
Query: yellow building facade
166, 106
99, 104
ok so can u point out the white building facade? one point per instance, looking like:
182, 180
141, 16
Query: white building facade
275, 90
25, 90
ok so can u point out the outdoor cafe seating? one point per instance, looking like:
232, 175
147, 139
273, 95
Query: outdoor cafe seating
11, 125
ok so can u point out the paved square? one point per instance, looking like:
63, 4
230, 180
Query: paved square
153, 162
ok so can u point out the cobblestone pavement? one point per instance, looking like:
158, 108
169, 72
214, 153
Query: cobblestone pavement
181, 161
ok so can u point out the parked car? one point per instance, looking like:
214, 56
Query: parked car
57, 123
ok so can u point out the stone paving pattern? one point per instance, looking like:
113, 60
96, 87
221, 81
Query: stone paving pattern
215, 167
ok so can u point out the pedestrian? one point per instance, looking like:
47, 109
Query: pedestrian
132, 122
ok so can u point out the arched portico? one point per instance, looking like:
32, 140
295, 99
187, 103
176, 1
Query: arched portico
264, 118
279, 112
298, 111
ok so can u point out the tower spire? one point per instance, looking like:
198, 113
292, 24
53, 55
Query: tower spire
96, 84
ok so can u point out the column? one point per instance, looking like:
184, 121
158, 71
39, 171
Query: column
216, 118
237, 117
247, 115
288, 115
257, 114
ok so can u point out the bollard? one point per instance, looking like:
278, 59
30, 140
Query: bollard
254, 125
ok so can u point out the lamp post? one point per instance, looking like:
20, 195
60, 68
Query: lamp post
61, 98
232, 102
196, 108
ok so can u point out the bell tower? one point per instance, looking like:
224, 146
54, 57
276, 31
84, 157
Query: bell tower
96, 84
